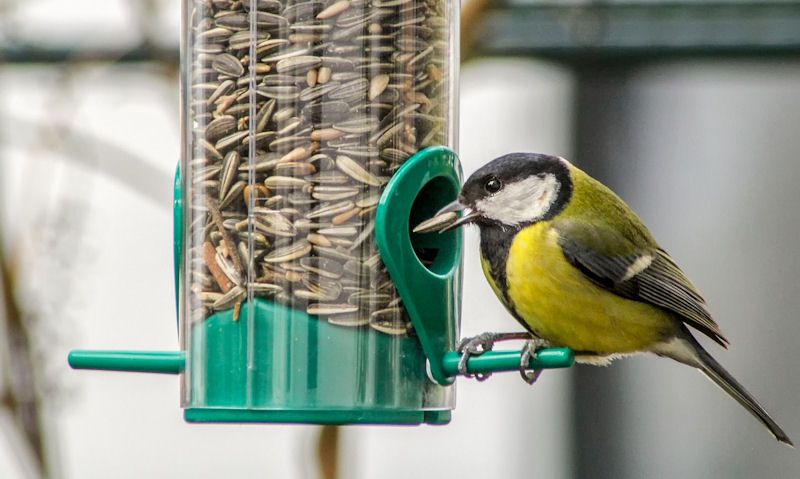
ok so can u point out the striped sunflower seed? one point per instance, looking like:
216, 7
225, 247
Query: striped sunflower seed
437, 223
228, 64
294, 251
325, 309
354, 170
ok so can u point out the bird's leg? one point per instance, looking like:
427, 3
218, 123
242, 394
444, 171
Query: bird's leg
477, 345
529, 351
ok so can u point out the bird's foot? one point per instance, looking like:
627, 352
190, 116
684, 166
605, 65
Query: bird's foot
474, 346
528, 352
477, 345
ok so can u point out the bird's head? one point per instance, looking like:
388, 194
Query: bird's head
514, 191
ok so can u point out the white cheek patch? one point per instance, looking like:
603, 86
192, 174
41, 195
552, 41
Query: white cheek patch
521, 202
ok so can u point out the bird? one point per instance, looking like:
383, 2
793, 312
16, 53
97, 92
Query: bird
577, 268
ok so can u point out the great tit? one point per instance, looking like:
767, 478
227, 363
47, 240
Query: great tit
578, 269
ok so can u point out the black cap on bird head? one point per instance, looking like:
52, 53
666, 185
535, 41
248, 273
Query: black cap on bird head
514, 190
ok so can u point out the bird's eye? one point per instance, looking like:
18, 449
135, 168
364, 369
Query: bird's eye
493, 185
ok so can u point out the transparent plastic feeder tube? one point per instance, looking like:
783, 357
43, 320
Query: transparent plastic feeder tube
295, 117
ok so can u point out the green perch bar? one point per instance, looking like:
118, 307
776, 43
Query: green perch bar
497, 361
173, 362
164, 362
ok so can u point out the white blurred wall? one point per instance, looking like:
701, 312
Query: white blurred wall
709, 155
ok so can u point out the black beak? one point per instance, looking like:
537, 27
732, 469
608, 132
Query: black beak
468, 217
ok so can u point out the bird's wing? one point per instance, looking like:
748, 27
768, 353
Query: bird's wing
641, 273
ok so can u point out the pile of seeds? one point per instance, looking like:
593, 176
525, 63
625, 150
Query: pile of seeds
300, 112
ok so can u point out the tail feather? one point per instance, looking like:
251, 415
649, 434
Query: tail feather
688, 351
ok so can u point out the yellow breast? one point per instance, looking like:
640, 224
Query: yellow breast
563, 306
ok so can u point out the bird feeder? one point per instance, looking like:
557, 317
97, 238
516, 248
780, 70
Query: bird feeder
316, 134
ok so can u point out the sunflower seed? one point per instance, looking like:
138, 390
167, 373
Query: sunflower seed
324, 309
373, 299
316, 92
230, 165
339, 231
324, 74
264, 114
389, 321
437, 223
295, 168
269, 20
321, 289
231, 140
318, 239
352, 169
334, 193
301, 63
234, 193
334, 9
369, 200
311, 77
228, 64
265, 288
351, 90
227, 300
325, 267
220, 127
288, 253
326, 210
218, 32
303, 11
377, 85
273, 223
326, 134
363, 236
279, 182
348, 320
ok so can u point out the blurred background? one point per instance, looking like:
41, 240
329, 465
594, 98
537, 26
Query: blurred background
689, 110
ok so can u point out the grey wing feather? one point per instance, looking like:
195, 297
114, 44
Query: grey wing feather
655, 279
665, 285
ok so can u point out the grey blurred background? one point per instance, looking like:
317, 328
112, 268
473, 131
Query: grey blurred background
691, 113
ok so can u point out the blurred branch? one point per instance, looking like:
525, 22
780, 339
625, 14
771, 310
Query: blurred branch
106, 159
22, 374
34, 54
472, 12
22, 370
328, 452
19, 395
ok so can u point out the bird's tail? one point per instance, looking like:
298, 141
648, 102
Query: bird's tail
687, 350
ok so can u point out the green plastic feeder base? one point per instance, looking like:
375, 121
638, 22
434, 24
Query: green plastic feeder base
277, 364
336, 417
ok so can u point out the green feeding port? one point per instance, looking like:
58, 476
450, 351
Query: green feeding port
426, 269
278, 364
439, 252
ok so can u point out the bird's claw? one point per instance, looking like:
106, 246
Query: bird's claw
474, 346
528, 352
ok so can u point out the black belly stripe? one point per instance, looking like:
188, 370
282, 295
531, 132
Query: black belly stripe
495, 246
